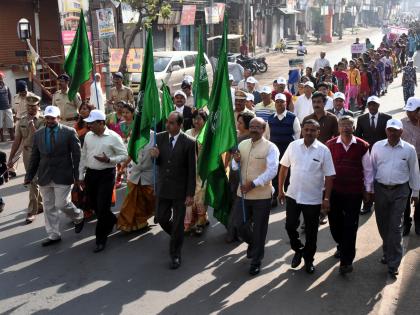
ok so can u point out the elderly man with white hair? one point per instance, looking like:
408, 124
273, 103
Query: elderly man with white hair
96, 95
180, 99
251, 85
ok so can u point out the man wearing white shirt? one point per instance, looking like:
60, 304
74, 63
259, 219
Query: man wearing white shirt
352, 183
259, 160
396, 170
102, 150
312, 168
321, 62
284, 128
96, 96
303, 106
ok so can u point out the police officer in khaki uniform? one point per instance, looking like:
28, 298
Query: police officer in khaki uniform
25, 130
119, 92
68, 109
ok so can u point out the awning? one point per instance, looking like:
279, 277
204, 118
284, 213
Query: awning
288, 11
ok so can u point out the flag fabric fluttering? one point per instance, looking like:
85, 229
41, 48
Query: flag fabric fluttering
218, 138
167, 103
148, 112
78, 64
201, 80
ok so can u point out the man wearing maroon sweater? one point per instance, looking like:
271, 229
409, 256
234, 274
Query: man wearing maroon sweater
352, 183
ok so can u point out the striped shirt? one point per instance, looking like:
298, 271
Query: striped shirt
265, 111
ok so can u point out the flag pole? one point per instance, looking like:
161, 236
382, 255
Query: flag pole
154, 160
96, 92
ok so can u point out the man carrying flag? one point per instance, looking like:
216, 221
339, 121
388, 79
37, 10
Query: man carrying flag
78, 66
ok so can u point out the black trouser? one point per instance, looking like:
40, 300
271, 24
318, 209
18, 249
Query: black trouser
99, 187
311, 217
170, 215
275, 180
407, 214
258, 211
344, 222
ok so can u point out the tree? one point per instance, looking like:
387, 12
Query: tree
149, 11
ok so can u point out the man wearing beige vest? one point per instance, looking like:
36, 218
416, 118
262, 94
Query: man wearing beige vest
258, 159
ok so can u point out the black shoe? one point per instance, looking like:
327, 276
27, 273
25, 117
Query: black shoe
297, 259
345, 269
337, 254
254, 270
78, 227
309, 268
274, 202
49, 242
365, 211
383, 260
12, 174
175, 263
99, 248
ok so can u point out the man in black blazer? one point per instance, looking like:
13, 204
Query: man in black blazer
338, 106
175, 156
371, 128
55, 160
180, 99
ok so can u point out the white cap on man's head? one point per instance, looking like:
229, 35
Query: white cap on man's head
188, 79
52, 111
251, 80
95, 115
374, 99
339, 95
310, 84
281, 80
394, 123
265, 89
412, 104
250, 97
280, 96
179, 92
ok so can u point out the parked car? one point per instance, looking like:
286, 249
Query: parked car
172, 67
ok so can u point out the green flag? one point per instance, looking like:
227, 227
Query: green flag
147, 113
167, 103
201, 81
219, 137
78, 64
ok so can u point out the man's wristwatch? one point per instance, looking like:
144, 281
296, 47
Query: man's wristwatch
326, 199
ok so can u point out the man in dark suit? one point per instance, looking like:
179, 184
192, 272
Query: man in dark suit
371, 128
338, 106
55, 159
175, 156
180, 99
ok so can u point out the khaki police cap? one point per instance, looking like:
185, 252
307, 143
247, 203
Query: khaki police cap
33, 99
240, 95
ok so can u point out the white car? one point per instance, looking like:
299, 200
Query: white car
172, 67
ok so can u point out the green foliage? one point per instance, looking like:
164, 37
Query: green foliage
150, 10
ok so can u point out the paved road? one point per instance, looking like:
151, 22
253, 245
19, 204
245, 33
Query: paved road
132, 276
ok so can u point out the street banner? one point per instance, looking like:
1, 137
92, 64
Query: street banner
105, 18
78, 64
69, 19
296, 62
148, 112
219, 137
398, 30
358, 48
211, 15
221, 10
188, 14
134, 59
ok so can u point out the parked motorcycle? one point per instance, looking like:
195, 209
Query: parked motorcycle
261, 64
248, 63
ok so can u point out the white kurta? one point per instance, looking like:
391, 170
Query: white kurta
97, 99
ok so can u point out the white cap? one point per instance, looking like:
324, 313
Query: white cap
265, 89
412, 104
410, 60
339, 95
310, 84
394, 123
188, 79
52, 111
231, 78
280, 96
250, 97
179, 92
374, 99
95, 115
281, 80
251, 80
